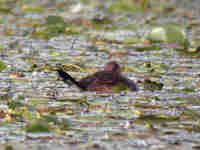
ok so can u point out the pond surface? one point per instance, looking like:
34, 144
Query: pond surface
39, 112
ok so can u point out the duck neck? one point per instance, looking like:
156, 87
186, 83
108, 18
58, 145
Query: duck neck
65, 76
79, 85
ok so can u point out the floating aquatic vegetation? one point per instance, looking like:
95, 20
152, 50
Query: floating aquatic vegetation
152, 85
32, 8
53, 26
120, 87
169, 33
126, 5
37, 126
2, 65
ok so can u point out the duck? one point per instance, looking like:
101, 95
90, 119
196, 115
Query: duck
103, 80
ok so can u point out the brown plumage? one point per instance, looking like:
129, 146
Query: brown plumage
103, 80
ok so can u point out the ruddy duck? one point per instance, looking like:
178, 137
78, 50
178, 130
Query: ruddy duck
103, 80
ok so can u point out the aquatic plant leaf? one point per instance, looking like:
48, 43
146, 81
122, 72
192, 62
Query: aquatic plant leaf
12, 104
169, 33
147, 105
131, 39
52, 20
186, 89
32, 8
54, 25
159, 118
8, 118
125, 5
152, 85
72, 30
158, 35
145, 3
5, 10
37, 126
120, 87
2, 65
175, 34
91, 117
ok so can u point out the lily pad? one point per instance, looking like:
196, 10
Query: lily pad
32, 8
170, 34
126, 5
2, 65
54, 19
158, 35
37, 126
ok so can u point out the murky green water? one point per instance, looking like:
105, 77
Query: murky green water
92, 34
